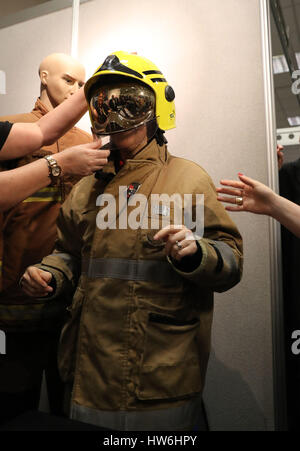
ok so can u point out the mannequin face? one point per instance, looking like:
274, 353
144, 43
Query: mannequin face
61, 76
61, 84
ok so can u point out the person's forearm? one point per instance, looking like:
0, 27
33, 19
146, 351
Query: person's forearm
18, 184
25, 138
287, 213
58, 121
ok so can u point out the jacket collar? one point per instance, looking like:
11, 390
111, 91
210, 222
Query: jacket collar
40, 108
151, 153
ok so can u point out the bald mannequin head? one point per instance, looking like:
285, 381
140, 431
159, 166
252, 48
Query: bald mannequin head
61, 76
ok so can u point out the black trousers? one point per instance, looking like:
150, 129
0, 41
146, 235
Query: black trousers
21, 370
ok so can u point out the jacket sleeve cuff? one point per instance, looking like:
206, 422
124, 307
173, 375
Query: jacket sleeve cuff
206, 267
218, 270
190, 262
58, 281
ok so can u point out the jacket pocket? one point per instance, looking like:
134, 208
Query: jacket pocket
69, 338
170, 363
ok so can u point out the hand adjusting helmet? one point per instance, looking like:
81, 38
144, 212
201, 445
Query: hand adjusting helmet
127, 91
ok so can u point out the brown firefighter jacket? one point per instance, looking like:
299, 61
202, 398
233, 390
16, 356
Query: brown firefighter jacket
28, 232
138, 336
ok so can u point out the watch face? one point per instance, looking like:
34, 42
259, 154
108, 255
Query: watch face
56, 171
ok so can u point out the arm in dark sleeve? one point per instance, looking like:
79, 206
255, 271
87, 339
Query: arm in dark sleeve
65, 262
190, 262
5, 128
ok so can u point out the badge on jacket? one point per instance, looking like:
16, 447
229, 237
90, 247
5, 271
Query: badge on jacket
132, 189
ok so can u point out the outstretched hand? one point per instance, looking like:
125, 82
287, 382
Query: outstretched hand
256, 197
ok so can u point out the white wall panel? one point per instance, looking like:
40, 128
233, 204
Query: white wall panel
23, 46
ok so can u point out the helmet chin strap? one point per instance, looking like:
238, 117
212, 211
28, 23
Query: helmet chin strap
160, 137
153, 132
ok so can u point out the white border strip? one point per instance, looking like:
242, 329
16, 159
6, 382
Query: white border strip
2, 82
75, 28
280, 412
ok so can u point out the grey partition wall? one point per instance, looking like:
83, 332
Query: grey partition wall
213, 53
23, 46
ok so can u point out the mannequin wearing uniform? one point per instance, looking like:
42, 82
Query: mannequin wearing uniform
28, 233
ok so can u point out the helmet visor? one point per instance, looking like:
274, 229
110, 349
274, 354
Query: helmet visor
120, 107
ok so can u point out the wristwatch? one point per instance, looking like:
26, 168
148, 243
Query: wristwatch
54, 169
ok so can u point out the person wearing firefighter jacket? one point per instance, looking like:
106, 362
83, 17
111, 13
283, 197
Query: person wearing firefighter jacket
28, 233
135, 348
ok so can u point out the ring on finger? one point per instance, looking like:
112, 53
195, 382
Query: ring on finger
178, 245
239, 200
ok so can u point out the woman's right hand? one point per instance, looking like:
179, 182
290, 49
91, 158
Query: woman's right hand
82, 160
256, 197
35, 282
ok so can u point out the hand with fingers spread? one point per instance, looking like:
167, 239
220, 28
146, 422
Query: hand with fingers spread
259, 198
180, 241
35, 282
248, 195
